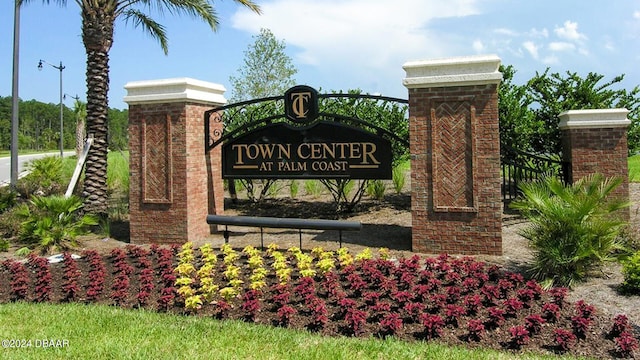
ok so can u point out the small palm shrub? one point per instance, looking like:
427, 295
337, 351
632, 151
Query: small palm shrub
44, 178
52, 223
574, 228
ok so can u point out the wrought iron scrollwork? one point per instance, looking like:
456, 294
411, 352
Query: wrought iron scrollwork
369, 112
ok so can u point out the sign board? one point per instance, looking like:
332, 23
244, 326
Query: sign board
323, 150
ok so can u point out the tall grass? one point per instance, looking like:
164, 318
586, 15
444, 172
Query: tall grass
106, 332
634, 168
118, 172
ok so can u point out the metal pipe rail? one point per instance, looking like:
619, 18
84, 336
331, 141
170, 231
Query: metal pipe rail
284, 223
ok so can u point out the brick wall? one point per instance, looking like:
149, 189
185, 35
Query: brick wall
173, 183
455, 170
598, 150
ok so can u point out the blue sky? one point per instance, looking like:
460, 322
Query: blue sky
335, 44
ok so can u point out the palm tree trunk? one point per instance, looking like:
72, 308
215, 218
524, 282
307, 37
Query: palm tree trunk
97, 35
80, 136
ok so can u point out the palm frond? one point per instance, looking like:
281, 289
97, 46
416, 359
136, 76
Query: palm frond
150, 26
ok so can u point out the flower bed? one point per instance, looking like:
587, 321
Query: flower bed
447, 299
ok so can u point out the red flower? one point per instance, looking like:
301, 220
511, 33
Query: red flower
626, 344
564, 339
519, 335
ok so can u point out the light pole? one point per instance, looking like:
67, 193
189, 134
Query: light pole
14, 96
61, 104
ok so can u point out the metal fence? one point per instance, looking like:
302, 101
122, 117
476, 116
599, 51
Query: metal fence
519, 166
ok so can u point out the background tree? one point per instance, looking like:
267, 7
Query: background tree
266, 71
98, 23
555, 93
517, 121
118, 129
377, 112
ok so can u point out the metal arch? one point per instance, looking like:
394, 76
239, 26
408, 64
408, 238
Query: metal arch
278, 103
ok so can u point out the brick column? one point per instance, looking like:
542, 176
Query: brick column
173, 183
455, 155
595, 141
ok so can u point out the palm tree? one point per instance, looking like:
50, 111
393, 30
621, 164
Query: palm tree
98, 22
80, 113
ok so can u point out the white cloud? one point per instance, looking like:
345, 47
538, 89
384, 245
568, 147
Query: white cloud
505, 31
636, 14
561, 46
478, 46
544, 33
569, 32
531, 48
373, 33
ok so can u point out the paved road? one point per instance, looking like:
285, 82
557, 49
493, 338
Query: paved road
5, 164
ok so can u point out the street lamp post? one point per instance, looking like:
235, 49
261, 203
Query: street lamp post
14, 95
60, 68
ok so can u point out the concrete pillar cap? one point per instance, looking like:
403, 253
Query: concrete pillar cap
174, 90
594, 119
453, 71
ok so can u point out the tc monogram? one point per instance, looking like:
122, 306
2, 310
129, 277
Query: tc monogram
300, 104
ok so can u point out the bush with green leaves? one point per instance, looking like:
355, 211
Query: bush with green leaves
4, 245
52, 223
574, 229
631, 273
44, 177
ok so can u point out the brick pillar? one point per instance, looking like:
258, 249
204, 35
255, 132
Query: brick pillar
173, 183
595, 141
455, 155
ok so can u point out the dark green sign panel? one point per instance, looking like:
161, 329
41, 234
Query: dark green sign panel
324, 150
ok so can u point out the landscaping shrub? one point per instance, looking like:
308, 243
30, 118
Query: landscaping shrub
574, 228
631, 273
52, 223
44, 178
4, 245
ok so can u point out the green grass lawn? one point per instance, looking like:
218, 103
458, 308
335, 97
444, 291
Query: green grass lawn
634, 168
104, 332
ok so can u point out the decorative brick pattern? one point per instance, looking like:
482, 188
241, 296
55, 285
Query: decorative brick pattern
453, 151
156, 161
466, 217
